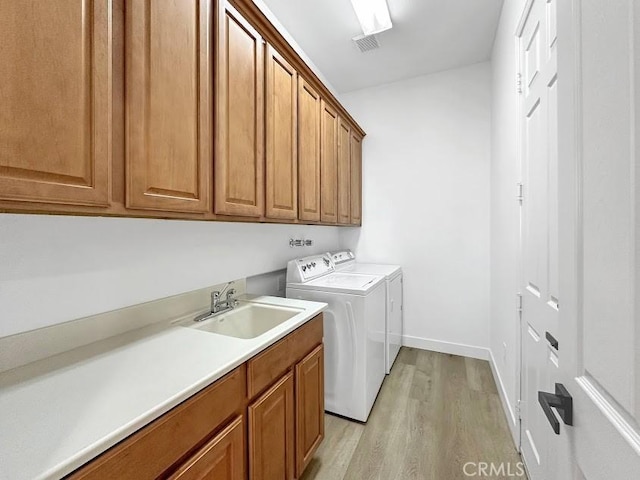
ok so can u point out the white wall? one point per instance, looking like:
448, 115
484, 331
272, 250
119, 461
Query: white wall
426, 200
270, 283
505, 174
55, 268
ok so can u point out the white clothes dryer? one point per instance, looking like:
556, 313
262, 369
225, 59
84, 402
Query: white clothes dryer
354, 323
345, 262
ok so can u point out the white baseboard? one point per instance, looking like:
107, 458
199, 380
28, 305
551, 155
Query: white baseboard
512, 420
461, 349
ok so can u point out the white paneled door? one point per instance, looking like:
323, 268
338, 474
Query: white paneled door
540, 296
580, 323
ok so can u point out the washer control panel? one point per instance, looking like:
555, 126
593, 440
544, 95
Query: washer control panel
315, 266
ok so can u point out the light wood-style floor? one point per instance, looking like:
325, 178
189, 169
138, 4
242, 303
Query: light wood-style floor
435, 412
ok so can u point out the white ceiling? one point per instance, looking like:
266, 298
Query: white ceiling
427, 36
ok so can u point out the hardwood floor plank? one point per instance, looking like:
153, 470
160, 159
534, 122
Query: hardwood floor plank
407, 356
479, 376
334, 454
435, 412
385, 421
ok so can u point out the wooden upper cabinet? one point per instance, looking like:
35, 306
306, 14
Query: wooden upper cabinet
356, 179
309, 407
169, 105
222, 458
328, 164
344, 172
308, 152
271, 433
239, 159
282, 141
55, 101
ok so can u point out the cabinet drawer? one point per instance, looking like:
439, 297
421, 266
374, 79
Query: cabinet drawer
157, 447
271, 364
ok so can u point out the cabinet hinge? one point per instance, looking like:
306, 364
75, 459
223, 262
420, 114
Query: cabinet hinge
519, 192
519, 302
519, 409
519, 83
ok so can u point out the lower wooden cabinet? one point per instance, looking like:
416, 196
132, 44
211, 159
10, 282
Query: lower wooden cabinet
271, 433
309, 407
269, 411
221, 458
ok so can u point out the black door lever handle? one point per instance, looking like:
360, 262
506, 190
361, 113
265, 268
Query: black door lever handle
562, 402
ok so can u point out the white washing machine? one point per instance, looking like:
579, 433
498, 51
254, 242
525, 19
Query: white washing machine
345, 261
354, 325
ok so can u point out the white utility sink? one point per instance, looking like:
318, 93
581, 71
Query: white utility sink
249, 320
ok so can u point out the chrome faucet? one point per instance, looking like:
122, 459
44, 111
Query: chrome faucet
219, 306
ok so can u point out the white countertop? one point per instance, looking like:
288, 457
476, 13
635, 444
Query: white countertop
58, 413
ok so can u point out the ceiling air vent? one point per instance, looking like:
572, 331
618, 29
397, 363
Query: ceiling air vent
366, 42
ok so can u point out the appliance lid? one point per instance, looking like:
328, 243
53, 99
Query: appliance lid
389, 271
346, 283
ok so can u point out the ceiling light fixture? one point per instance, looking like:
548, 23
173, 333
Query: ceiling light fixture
373, 15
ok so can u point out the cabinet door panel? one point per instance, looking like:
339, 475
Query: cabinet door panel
55, 101
271, 433
308, 152
356, 179
344, 172
282, 144
329, 164
222, 458
309, 407
239, 171
169, 105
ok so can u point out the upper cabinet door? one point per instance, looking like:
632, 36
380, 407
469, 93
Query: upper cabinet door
239, 162
329, 164
344, 172
282, 141
308, 152
169, 105
55, 101
356, 179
